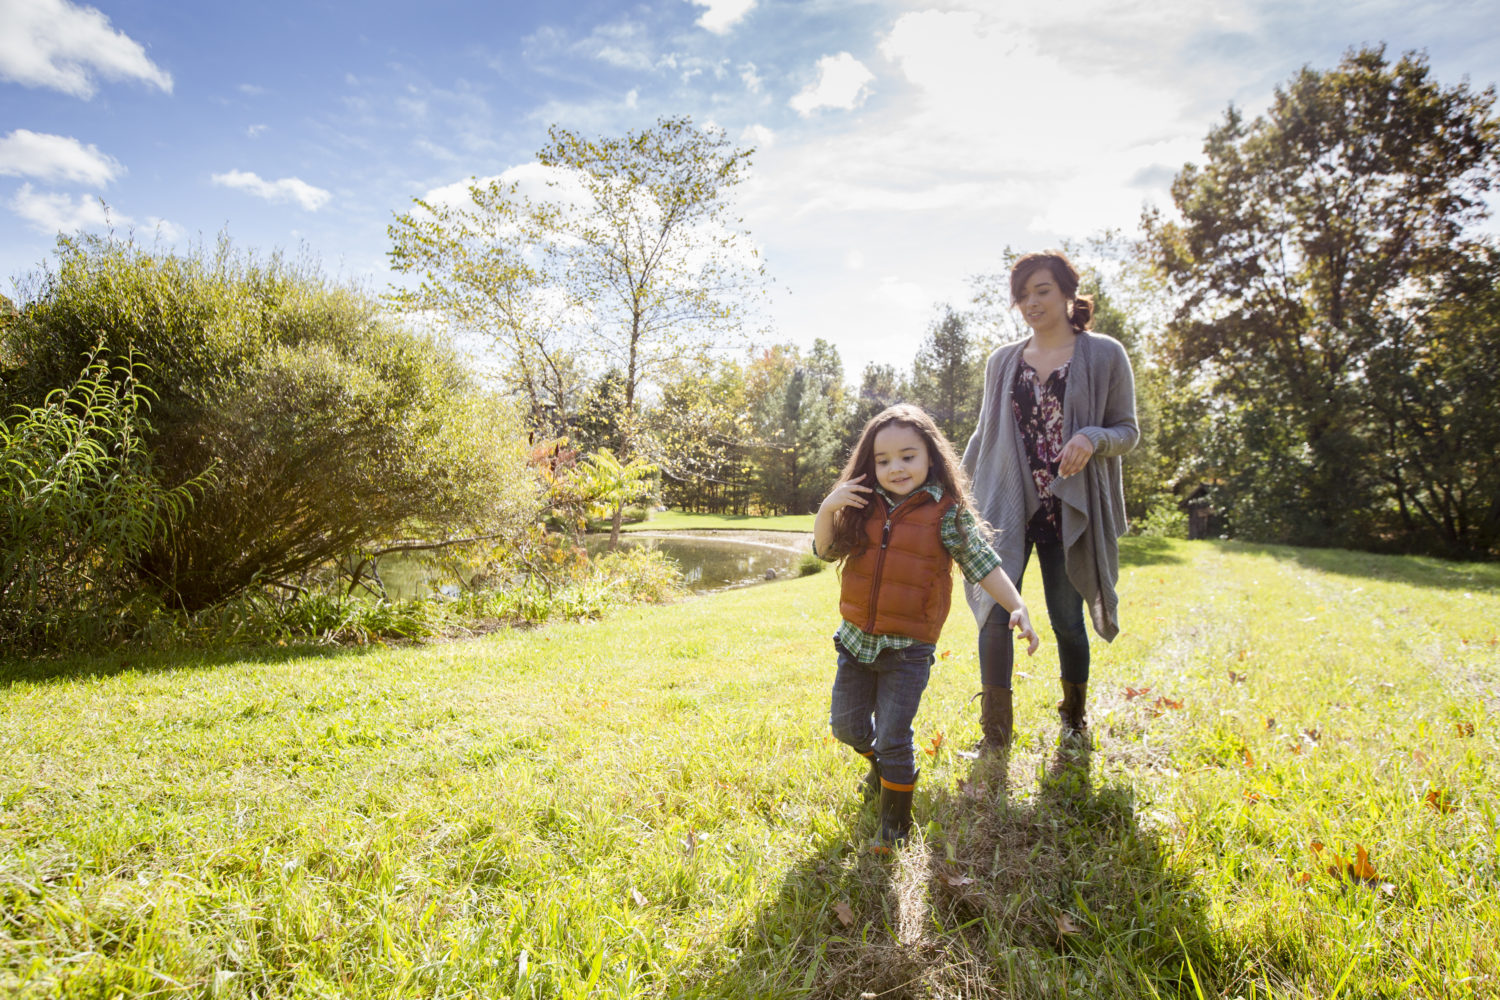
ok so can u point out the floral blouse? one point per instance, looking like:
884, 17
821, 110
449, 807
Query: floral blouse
1038, 410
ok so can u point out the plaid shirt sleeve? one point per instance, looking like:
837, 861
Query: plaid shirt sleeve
962, 539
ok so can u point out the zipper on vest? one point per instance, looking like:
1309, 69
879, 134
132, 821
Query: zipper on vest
885, 540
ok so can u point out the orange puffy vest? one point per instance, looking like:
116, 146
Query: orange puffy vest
901, 582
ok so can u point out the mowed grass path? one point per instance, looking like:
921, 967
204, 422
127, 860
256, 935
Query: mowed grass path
650, 806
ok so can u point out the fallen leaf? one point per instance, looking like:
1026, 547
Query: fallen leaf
1235, 678
1362, 867
1251, 796
1295, 748
640, 900
1163, 704
1418, 757
1464, 728
845, 915
1437, 799
957, 881
945, 654
1317, 846
1249, 759
1066, 925
690, 843
1131, 694
1270, 722
1312, 735
1302, 878
970, 789
937, 744
1244, 654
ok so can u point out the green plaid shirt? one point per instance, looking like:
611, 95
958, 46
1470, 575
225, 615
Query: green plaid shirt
964, 543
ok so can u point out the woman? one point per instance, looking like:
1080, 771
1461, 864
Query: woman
1058, 412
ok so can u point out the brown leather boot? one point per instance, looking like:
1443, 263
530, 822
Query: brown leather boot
1070, 711
995, 718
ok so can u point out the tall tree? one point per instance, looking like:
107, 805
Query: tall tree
1304, 246
947, 376
633, 256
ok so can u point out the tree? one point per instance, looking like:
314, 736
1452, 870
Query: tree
947, 376
611, 484
699, 433
880, 386
631, 259
328, 427
797, 446
1306, 246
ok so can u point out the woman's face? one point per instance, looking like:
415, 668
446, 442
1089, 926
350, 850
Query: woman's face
1042, 303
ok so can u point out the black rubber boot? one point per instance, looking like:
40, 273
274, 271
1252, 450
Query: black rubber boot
869, 788
996, 718
895, 812
1070, 711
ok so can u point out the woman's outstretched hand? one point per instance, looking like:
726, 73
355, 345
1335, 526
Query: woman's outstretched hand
1021, 621
1075, 455
845, 494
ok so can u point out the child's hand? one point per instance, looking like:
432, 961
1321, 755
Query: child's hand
846, 494
1020, 620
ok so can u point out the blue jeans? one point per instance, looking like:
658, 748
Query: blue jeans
997, 654
874, 704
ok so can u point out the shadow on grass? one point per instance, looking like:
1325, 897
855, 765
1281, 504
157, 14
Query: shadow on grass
1058, 892
1421, 571
1138, 551
109, 663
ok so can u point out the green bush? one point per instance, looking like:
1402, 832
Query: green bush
79, 502
810, 564
330, 427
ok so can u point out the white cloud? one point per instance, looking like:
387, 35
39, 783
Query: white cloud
53, 43
286, 189
254, 131
252, 89
758, 136
751, 78
842, 83
60, 213
24, 153
722, 15
165, 231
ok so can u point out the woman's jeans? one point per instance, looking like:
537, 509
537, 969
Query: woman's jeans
997, 654
874, 704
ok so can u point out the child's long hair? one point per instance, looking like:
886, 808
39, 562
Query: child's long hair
944, 467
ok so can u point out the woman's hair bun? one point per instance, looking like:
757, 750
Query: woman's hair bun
1083, 312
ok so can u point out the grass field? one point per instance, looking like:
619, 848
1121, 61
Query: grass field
1291, 793
677, 520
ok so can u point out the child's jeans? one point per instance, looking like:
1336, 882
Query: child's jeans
874, 704
997, 654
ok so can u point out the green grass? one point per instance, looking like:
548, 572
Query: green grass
677, 520
650, 805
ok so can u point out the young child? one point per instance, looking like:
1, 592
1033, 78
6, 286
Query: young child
898, 518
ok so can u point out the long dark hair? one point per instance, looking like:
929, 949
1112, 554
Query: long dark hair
1066, 276
944, 466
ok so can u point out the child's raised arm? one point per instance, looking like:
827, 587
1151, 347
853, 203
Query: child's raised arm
1005, 594
844, 494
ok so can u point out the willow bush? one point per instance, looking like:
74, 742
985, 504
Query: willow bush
79, 502
329, 425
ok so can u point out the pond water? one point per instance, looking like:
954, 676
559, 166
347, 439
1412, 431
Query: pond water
717, 560
710, 560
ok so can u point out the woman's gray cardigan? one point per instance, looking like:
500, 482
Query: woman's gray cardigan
1099, 403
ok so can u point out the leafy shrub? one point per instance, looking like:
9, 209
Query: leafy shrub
78, 503
1165, 520
330, 428
810, 564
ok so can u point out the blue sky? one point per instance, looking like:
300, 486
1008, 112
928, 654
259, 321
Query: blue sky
900, 145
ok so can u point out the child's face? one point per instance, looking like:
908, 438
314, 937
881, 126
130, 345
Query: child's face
901, 460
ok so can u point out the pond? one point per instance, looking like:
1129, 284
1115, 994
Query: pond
710, 560
718, 560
